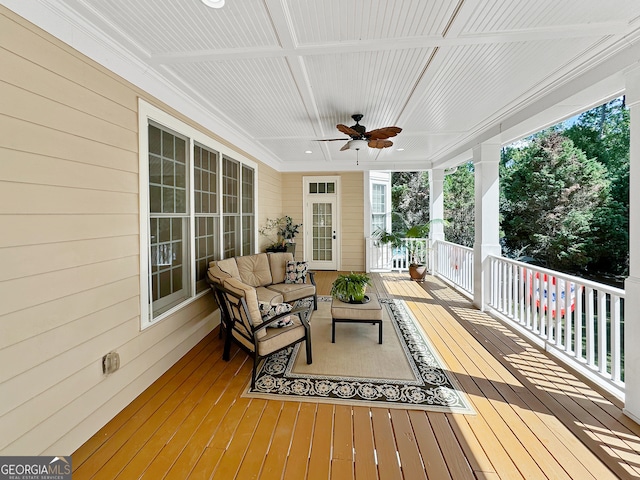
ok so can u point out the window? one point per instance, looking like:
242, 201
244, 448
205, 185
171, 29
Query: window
378, 207
200, 207
169, 220
322, 187
248, 214
231, 207
205, 177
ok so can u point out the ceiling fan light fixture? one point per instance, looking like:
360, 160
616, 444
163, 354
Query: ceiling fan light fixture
214, 3
358, 144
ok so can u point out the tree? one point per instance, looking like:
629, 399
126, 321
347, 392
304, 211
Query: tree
551, 193
459, 205
603, 133
409, 199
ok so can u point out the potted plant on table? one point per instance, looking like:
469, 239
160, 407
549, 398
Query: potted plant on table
350, 288
281, 233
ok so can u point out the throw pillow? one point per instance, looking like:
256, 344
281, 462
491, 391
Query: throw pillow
296, 272
268, 311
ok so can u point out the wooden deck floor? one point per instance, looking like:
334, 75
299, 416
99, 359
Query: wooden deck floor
534, 418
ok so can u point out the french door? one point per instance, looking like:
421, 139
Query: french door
321, 222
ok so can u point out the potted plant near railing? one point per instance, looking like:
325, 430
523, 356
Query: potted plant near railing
350, 287
416, 251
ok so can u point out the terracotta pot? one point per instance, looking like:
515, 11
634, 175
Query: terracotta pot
417, 272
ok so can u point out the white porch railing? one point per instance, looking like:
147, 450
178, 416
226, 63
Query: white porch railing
455, 264
573, 318
579, 321
388, 258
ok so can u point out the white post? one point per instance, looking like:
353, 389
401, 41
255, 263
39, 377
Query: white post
436, 212
632, 283
486, 161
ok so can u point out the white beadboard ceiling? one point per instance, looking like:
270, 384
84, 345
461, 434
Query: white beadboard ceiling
276, 76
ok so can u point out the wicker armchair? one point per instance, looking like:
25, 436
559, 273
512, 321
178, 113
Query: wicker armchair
245, 326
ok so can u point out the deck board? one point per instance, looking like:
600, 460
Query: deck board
363, 444
534, 418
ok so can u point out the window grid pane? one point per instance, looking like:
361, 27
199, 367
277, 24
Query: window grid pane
168, 254
205, 173
207, 235
231, 236
169, 219
378, 198
248, 207
230, 185
322, 231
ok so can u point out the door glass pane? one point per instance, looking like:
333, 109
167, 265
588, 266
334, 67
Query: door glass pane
322, 232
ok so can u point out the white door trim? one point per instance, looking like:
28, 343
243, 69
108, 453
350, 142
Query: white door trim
307, 220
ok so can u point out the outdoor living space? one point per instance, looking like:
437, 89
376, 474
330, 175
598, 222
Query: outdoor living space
532, 417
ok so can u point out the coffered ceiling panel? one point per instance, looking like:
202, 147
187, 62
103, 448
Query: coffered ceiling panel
332, 21
169, 26
276, 76
511, 16
369, 83
473, 80
258, 95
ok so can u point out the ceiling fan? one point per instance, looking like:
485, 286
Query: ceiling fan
359, 136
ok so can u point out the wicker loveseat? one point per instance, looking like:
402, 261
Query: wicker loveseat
266, 273
259, 280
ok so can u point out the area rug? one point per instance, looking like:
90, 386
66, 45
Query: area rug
404, 372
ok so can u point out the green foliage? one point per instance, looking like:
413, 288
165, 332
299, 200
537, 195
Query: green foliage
551, 192
603, 134
564, 196
409, 199
350, 286
277, 230
459, 205
416, 250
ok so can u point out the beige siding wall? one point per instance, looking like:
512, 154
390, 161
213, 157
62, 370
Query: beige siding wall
69, 282
270, 205
352, 214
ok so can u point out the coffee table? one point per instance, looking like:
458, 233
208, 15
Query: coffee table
370, 312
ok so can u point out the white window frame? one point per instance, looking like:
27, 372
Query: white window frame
378, 178
146, 113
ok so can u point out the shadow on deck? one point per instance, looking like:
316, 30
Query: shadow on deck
535, 419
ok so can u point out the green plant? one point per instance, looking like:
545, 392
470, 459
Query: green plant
416, 250
350, 287
279, 230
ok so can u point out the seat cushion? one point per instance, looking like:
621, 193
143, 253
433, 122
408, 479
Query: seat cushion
228, 265
296, 272
276, 338
294, 291
267, 295
349, 311
254, 270
278, 263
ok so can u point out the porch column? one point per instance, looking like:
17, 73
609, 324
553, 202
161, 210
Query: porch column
486, 161
436, 212
632, 283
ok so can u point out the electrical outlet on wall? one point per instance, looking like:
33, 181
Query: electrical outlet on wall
110, 362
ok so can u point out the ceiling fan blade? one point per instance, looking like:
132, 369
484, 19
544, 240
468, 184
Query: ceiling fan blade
379, 143
329, 140
348, 130
382, 133
345, 146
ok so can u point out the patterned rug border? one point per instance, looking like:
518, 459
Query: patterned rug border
434, 389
